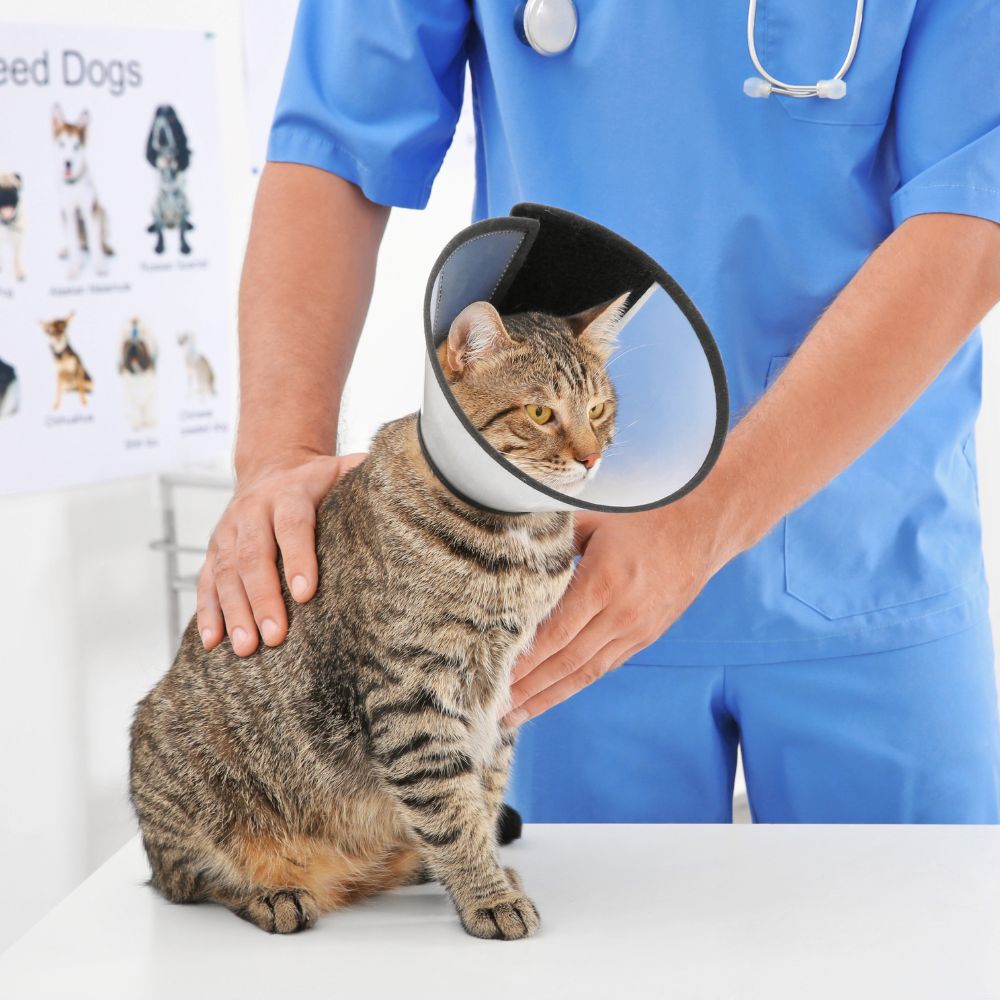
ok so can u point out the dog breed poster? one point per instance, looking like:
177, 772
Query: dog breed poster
115, 316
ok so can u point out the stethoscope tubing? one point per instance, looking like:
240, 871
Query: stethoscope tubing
834, 87
795, 89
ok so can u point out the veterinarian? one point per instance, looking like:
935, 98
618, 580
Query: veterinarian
819, 600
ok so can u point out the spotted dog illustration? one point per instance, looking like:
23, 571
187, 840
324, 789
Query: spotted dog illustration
168, 153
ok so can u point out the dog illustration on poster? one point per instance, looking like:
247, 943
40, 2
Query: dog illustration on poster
10, 390
200, 377
168, 153
11, 222
84, 217
71, 375
137, 367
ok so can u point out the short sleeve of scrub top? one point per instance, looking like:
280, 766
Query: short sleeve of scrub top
947, 111
372, 93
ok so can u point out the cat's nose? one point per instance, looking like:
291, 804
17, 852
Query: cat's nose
589, 460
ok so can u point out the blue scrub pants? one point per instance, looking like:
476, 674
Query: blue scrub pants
905, 736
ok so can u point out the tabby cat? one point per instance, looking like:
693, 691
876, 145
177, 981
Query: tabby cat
367, 752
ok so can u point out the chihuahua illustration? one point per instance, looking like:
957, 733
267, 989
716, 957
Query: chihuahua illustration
71, 376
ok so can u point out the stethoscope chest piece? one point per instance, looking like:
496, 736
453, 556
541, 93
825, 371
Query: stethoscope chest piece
548, 26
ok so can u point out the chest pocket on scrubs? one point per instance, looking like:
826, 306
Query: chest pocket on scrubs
802, 41
898, 525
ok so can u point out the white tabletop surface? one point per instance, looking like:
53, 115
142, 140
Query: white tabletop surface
627, 911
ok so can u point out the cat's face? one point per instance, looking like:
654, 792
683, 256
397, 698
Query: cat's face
536, 387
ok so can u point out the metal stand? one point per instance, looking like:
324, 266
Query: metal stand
171, 547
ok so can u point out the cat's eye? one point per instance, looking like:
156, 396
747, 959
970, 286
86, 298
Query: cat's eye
540, 414
596, 410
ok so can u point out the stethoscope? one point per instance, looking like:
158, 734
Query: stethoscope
549, 27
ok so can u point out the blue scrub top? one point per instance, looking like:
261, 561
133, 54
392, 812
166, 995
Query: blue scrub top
762, 209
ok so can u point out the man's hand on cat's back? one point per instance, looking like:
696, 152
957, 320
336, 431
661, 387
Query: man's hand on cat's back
271, 512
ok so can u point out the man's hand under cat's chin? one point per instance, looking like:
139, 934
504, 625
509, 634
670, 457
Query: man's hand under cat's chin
636, 575
272, 511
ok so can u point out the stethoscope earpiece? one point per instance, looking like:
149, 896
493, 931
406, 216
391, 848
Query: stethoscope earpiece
754, 86
831, 90
547, 26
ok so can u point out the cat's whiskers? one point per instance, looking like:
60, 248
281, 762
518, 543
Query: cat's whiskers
618, 355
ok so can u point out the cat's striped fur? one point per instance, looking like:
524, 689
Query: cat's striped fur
366, 751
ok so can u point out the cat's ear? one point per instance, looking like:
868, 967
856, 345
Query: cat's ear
476, 333
598, 326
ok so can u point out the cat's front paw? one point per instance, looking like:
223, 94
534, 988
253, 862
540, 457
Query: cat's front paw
508, 918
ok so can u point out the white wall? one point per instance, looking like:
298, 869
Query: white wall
82, 598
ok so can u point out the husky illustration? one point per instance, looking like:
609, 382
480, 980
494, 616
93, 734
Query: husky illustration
84, 218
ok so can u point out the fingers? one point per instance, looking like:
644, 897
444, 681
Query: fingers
257, 571
236, 609
610, 656
585, 598
295, 531
566, 661
210, 624
239, 588
239, 585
